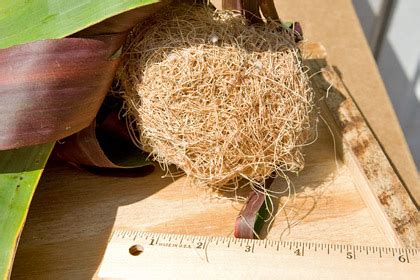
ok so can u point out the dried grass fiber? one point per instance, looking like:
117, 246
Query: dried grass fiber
221, 100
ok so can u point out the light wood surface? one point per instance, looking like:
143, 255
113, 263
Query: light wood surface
133, 254
373, 174
334, 200
334, 23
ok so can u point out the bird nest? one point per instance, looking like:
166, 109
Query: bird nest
220, 99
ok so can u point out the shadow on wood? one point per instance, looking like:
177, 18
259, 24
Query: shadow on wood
78, 212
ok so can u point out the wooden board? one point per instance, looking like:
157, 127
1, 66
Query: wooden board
348, 193
378, 184
130, 254
334, 23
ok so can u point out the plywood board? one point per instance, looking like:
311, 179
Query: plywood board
348, 193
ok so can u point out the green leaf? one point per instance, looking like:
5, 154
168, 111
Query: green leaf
20, 170
23, 21
262, 217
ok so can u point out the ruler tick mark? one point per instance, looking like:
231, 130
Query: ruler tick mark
399, 256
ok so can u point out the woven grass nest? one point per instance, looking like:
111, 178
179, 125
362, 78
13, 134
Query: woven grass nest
220, 99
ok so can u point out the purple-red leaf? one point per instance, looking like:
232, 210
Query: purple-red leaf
245, 222
51, 89
105, 143
245, 225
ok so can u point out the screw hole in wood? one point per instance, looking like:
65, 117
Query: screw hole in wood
136, 250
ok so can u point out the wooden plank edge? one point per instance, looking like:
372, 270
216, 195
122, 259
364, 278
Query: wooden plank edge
379, 183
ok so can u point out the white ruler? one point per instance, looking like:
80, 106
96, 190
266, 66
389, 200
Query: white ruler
145, 255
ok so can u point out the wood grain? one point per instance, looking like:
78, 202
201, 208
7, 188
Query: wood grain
378, 183
131, 254
334, 23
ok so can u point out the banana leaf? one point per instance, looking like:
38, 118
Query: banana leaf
51, 89
20, 171
23, 21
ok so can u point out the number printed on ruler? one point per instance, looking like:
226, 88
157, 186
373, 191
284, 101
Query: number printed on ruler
349, 252
130, 251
